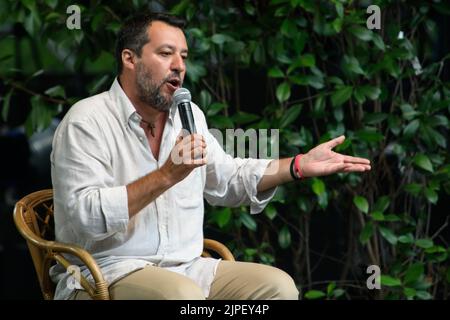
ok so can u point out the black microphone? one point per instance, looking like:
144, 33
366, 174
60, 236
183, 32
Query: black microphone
182, 98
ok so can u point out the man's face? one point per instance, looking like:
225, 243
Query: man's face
161, 68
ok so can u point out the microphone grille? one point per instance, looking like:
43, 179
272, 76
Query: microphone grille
181, 95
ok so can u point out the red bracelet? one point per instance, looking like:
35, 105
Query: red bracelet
297, 166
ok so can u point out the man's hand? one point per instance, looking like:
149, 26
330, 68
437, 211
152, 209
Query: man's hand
188, 153
322, 161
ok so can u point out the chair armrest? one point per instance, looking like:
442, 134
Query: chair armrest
54, 251
218, 247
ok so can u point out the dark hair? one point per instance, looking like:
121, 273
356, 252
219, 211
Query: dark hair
133, 34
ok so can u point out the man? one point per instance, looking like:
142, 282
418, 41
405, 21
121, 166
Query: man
119, 194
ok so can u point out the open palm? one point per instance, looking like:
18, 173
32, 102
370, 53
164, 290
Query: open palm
322, 160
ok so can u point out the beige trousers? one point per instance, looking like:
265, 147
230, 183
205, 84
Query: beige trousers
233, 280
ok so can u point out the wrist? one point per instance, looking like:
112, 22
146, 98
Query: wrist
296, 174
299, 161
166, 176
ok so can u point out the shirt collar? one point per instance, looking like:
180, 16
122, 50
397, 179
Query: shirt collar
126, 108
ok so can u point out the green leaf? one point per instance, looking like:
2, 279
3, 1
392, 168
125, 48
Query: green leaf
220, 39
37, 73
318, 187
314, 294
377, 216
422, 161
413, 188
390, 281
378, 41
249, 9
248, 221
307, 60
439, 120
359, 95
361, 203
290, 115
222, 217
406, 238
288, 28
196, 70
431, 195
40, 117
242, 117
339, 9
361, 33
56, 91
388, 235
205, 99
381, 204
338, 292
221, 122
341, 95
392, 218
375, 118
424, 295
366, 233
411, 129
215, 108
409, 292
337, 24
414, 272
270, 211
98, 84
351, 65
330, 288
408, 111
284, 237
371, 92
259, 53
275, 72
283, 92
6, 104
369, 135
424, 243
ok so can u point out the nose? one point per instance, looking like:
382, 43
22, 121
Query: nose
178, 63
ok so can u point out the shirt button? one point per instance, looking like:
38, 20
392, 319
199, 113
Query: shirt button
140, 138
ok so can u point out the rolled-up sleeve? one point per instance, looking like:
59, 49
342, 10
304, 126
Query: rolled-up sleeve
233, 181
85, 193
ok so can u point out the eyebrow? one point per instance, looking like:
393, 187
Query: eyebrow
171, 48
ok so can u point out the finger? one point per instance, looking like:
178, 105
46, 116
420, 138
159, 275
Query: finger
198, 136
350, 159
198, 153
335, 142
199, 162
357, 168
192, 141
179, 137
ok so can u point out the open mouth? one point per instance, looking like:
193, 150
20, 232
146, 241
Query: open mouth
174, 83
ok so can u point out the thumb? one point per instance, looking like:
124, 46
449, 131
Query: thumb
179, 137
336, 141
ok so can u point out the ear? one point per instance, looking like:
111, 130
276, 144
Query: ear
128, 59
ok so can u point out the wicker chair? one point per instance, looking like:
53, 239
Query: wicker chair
33, 216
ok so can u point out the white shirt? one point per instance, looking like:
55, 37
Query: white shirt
99, 148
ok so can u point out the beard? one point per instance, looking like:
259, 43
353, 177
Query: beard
149, 91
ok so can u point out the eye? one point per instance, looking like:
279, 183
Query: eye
166, 53
184, 57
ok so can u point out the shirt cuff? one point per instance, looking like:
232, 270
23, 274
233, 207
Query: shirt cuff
114, 203
259, 200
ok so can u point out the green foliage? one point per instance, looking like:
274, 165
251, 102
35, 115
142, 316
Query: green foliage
326, 74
